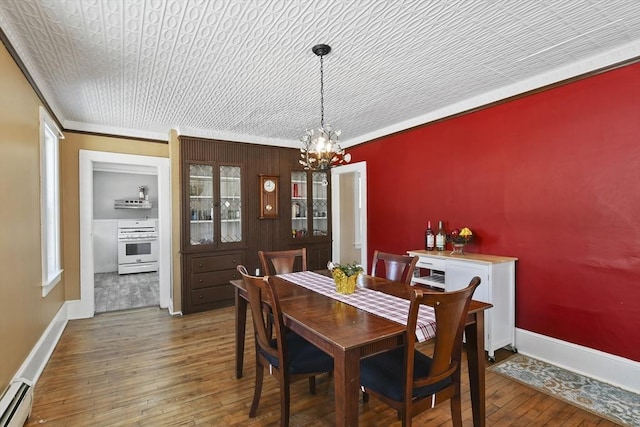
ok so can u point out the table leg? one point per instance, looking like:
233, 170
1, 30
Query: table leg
475, 359
346, 377
241, 323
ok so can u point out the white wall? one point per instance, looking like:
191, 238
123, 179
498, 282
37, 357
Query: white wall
109, 186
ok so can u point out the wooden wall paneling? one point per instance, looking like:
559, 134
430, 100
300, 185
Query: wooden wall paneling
265, 234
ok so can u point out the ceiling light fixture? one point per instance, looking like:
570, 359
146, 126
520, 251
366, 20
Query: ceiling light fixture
321, 148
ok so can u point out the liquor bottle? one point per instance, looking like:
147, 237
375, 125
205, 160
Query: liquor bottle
441, 237
429, 238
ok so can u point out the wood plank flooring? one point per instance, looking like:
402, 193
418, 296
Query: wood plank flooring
144, 367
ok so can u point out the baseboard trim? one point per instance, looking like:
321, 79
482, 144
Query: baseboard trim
78, 310
609, 368
37, 359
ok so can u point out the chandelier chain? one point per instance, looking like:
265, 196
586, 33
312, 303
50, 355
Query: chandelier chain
321, 92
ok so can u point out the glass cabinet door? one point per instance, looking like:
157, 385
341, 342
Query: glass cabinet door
320, 204
215, 205
230, 204
299, 211
309, 204
201, 204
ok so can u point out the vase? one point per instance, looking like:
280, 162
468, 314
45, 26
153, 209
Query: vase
458, 248
345, 284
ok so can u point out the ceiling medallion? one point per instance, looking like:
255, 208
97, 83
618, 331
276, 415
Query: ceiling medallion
320, 146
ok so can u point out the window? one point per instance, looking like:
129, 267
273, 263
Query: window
50, 202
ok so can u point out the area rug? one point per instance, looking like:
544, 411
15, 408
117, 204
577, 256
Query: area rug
602, 399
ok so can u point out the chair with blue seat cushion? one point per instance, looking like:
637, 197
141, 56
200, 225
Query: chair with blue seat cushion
412, 382
288, 356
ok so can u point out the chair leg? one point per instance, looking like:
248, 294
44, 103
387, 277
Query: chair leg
456, 410
405, 415
284, 403
365, 397
257, 391
312, 385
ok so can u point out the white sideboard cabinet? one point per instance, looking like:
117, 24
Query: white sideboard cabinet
451, 272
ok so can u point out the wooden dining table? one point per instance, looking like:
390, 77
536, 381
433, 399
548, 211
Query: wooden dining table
348, 334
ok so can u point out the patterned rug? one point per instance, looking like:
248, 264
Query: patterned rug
607, 401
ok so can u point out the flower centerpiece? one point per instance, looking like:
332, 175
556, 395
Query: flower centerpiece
345, 276
459, 238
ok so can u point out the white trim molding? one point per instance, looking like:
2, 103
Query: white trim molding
359, 168
609, 368
37, 359
89, 161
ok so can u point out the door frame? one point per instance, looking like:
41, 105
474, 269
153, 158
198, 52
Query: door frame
361, 168
85, 307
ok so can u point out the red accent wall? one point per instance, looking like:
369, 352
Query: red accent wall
552, 178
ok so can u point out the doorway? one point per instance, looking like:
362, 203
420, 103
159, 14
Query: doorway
95, 160
349, 214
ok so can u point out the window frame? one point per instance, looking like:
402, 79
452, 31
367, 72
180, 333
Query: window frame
50, 221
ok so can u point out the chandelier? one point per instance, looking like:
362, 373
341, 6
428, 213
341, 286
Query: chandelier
320, 146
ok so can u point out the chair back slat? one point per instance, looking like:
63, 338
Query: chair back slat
398, 268
281, 262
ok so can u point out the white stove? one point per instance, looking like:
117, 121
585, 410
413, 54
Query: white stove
137, 246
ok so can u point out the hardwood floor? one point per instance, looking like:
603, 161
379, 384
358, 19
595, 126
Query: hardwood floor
144, 367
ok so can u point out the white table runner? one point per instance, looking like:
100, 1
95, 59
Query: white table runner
384, 305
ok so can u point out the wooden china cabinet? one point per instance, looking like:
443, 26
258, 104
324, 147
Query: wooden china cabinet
213, 230
237, 199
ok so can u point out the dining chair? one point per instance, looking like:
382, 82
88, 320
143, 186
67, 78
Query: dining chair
409, 380
287, 356
398, 268
280, 262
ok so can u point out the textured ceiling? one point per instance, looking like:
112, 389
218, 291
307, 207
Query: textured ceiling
244, 70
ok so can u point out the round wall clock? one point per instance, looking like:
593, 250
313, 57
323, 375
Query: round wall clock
269, 185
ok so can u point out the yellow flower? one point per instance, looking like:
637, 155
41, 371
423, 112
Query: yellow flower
465, 232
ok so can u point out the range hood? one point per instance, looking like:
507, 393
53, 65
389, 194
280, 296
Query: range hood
132, 203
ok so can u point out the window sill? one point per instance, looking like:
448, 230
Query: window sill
48, 287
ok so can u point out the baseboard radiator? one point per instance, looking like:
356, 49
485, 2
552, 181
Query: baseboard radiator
15, 404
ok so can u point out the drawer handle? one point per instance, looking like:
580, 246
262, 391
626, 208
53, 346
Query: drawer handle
200, 296
234, 261
200, 280
200, 265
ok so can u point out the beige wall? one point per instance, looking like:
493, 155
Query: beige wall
24, 313
69, 165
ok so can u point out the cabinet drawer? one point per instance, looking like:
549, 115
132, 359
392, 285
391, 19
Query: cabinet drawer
432, 263
217, 262
214, 294
213, 278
